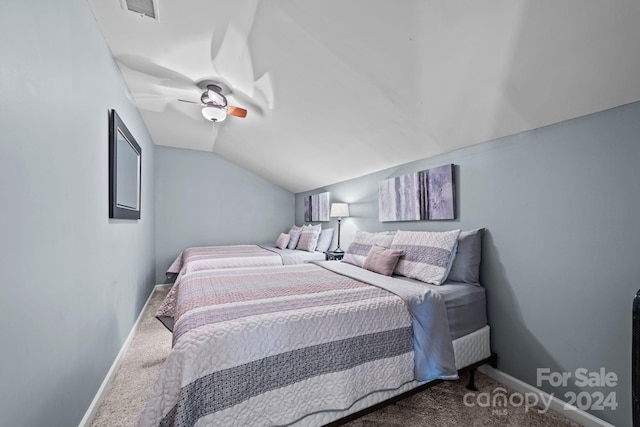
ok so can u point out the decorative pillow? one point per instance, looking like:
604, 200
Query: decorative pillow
308, 239
294, 236
362, 243
466, 265
384, 238
283, 241
313, 227
382, 260
325, 239
427, 255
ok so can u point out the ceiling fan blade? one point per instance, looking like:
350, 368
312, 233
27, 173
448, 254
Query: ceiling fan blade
164, 75
236, 111
244, 99
264, 87
233, 58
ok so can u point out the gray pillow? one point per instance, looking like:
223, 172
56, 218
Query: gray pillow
466, 264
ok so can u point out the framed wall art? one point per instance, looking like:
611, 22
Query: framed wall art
424, 195
125, 170
316, 207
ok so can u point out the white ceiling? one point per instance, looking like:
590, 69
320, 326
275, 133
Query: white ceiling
336, 89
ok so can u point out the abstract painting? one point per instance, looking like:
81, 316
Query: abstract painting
400, 198
423, 195
441, 192
316, 207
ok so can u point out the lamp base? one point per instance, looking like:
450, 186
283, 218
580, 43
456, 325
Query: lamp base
337, 250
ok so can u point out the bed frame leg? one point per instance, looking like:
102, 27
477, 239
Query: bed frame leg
471, 385
492, 360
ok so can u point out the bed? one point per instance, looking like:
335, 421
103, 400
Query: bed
214, 257
309, 344
301, 244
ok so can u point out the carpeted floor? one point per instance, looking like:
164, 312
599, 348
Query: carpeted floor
442, 405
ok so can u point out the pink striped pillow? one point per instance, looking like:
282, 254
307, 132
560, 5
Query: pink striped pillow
308, 239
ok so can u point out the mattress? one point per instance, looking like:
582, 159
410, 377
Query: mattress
466, 306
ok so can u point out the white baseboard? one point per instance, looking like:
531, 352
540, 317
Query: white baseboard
571, 412
95, 404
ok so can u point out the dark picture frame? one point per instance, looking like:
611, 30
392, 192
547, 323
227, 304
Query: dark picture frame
125, 171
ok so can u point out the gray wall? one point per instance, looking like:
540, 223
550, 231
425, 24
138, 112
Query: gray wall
74, 281
560, 258
203, 199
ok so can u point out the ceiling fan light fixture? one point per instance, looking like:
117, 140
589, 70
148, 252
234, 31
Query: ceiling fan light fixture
215, 96
214, 113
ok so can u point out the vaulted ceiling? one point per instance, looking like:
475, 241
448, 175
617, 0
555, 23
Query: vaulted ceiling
337, 89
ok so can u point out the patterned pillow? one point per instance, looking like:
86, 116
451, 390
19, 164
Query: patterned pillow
466, 264
382, 260
315, 227
362, 244
325, 239
308, 239
427, 255
294, 236
283, 241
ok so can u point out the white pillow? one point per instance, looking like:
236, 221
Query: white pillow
362, 243
427, 255
325, 239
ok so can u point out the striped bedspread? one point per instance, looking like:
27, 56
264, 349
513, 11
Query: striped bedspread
270, 345
210, 257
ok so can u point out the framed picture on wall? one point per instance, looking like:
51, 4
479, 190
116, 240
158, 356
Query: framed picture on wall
316, 207
441, 193
125, 171
402, 198
424, 195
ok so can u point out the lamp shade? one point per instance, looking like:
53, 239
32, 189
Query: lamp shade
340, 210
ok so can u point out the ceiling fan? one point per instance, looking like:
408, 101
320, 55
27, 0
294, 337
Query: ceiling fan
215, 106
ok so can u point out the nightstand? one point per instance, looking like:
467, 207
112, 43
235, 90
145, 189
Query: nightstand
334, 256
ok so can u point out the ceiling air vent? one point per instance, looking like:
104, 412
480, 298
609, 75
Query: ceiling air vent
142, 7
